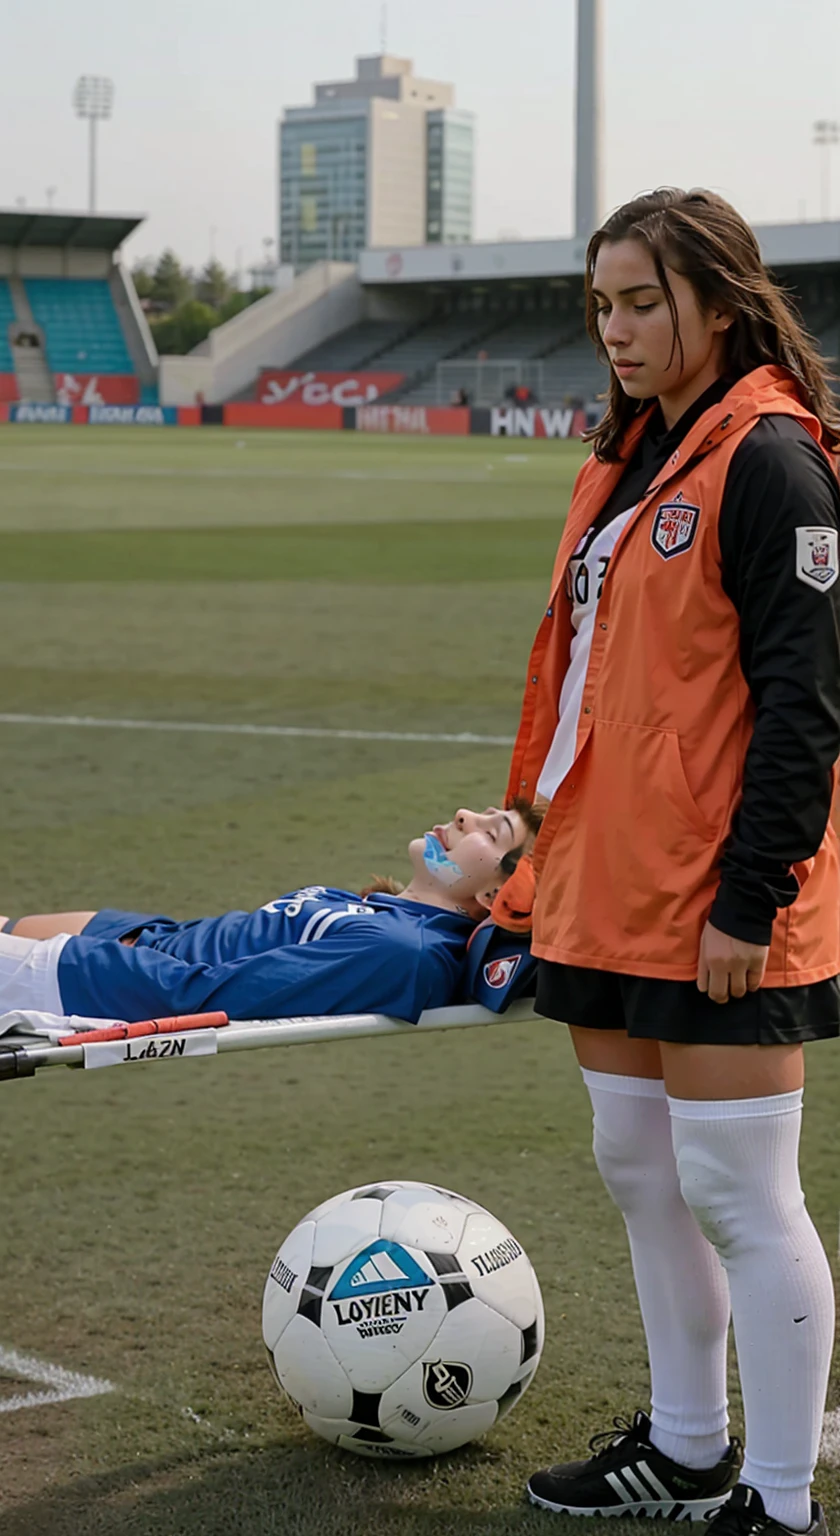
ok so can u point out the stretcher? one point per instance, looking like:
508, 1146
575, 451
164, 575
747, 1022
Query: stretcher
29, 1041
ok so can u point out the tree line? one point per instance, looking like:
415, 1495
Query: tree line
183, 306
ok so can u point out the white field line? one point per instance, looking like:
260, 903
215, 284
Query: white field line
830, 1442
62, 1386
461, 738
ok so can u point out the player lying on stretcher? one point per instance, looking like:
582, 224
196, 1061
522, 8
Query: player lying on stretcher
312, 951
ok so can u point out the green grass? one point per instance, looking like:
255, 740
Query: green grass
302, 580
402, 554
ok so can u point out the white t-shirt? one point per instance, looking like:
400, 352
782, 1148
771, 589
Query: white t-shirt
584, 580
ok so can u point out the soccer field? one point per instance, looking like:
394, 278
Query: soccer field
331, 584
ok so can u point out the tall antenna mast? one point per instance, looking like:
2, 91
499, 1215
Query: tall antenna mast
383, 30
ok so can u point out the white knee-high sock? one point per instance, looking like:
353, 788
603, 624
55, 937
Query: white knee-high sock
738, 1168
29, 974
681, 1286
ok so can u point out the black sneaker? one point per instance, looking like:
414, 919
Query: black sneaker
629, 1476
744, 1514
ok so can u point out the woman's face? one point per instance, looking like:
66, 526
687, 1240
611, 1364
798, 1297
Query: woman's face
468, 851
637, 329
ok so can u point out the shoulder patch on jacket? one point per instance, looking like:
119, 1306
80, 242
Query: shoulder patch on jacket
816, 557
674, 527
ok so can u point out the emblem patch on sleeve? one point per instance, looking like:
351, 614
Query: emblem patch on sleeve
497, 973
674, 527
816, 557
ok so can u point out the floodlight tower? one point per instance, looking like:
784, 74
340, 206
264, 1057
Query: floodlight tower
589, 127
93, 98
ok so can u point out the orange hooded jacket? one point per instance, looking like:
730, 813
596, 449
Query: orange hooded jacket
627, 860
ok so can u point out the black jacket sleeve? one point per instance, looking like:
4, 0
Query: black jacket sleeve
788, 601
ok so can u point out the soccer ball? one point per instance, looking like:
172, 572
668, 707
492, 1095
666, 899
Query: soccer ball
402, 1320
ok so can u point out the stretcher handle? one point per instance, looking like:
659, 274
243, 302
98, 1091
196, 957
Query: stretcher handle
173, 1026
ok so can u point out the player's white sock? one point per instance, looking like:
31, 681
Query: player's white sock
29, 974
682, 1289
738, 1168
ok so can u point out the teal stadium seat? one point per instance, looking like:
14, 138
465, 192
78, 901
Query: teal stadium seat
7, 315
80, 324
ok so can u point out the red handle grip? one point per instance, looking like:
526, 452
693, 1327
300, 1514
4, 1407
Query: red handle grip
173, 1026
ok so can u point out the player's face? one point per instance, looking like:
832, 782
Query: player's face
637, 328
474, 842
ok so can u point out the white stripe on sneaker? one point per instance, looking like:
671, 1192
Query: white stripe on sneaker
642, 1490
627, 1495
642, 1466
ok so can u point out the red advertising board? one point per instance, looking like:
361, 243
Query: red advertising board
317, 389
245, 413
8, 386
421, 420
97, 388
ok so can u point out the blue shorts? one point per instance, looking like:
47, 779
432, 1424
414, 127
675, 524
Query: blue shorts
111, 923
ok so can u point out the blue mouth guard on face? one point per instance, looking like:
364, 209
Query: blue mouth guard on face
438, 862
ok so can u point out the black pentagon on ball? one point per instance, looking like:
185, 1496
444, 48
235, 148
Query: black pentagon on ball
365, 1409
376, 1192
507, 1399
312, 1295
444, 1263
373, 1437
529, 1342
272, 1366
456, 1289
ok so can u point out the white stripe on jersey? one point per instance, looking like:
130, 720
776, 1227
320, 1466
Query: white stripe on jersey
327, 923
313, 921
324, 918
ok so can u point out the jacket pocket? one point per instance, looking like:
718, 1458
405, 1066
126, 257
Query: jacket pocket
633, 863
644, 767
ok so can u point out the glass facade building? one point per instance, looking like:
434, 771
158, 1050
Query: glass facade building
384, 159
449, 176
323, 186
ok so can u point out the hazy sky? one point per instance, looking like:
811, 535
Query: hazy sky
721, 93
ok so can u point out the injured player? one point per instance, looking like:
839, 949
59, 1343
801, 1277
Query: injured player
312, 951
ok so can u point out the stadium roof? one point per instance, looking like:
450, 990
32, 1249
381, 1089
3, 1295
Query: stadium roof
782, 245
82, 231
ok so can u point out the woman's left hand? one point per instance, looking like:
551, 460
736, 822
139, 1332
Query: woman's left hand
729, 967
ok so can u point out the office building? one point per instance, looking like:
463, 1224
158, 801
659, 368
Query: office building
384, 159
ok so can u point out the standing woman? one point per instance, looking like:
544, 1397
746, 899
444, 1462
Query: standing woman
682, 719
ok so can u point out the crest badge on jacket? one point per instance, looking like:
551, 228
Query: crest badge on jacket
674, 527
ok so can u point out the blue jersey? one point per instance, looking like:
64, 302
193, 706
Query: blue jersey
499, 968
313, 951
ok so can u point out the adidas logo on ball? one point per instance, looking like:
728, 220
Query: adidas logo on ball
378, 1289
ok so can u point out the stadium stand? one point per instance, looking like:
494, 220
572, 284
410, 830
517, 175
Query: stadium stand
358, 347
71, 327
477, 319
80, 324
440, 337
8, 381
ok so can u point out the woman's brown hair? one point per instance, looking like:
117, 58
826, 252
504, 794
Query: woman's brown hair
702, 237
